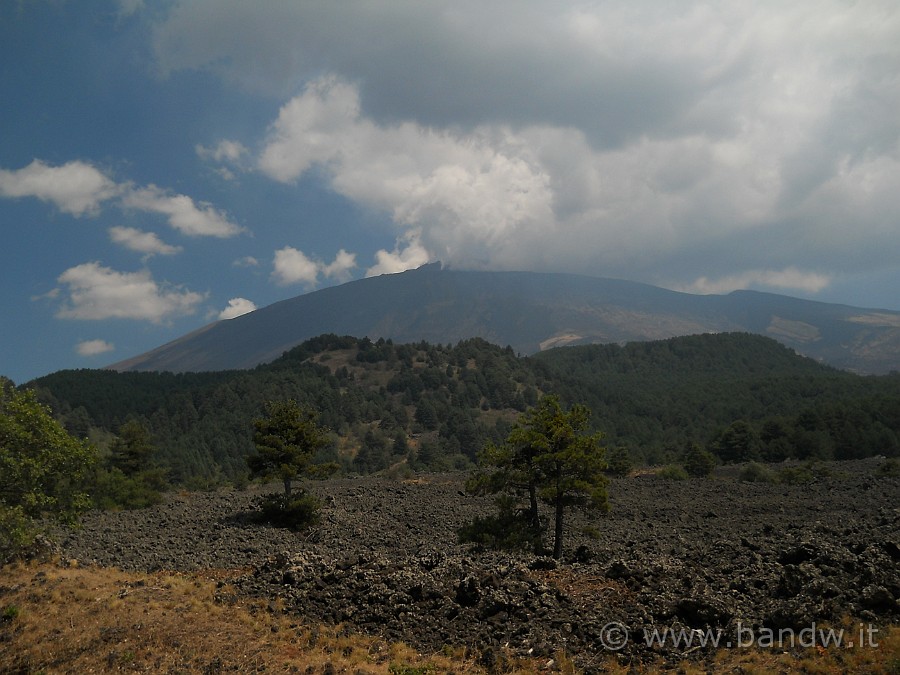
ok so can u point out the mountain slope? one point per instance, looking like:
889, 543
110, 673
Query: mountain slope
530, 312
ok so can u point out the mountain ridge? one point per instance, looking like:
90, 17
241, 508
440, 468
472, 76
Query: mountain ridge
532, 312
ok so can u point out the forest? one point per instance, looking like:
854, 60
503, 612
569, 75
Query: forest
433, 407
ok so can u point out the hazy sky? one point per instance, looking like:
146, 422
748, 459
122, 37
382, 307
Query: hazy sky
167, 164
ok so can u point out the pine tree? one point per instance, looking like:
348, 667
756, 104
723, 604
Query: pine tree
550, 457
287, 439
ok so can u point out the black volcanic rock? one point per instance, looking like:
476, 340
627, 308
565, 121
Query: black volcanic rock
385, 560
530, 312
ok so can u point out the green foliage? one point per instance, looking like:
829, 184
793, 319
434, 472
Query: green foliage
42, 469
618, 461
403, 669
17, 532
795, 475
591, 532
129, 479
548, 455
510, 529
697, 461
889, 468
737, 443
450, 401
241, 482
130, 451
757, 473
296, 512
9, 613
287, 439
114, 490
673, 472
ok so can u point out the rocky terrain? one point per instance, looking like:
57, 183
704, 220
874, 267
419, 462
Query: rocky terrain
684, 555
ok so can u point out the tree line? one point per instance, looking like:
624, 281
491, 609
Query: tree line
77, 439
433, 407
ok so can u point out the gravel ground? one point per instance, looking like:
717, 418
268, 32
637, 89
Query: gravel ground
699, 554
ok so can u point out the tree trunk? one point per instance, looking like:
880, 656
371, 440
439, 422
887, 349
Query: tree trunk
287, 489
558, 540
535, 518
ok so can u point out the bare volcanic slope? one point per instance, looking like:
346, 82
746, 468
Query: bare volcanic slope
692, 555
530, 312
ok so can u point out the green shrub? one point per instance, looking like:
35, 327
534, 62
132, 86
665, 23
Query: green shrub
889, 468
757, 473
43, 471
402, 669
508, 530
795, 475
114, 490
17, 532
673, 472
591, 532
241, 481
698, 462
9, 613
618, 461
299, 512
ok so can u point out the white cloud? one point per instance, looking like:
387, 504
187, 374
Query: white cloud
142, 242
786, 279
468, 195
129, 7
94, 347
340, 268
75, 187
237, 307
293, 266
246, 261
225, 151
98, 292
542, 197
409, 258
183, 214
309, 129
649, 140
80, 189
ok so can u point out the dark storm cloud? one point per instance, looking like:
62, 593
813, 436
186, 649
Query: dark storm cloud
619, 138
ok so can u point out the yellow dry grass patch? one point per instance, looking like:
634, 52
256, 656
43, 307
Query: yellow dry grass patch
66, 619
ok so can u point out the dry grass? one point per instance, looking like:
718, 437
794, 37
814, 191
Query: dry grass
66, 619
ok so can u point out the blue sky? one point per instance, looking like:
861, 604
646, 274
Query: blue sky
168, 164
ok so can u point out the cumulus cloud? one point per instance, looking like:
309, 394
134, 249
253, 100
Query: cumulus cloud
148, 243
650, 140
410, 257
340, 268
541, 196
76, 187
97, 292
225, 151
129, 7
94, 347
79, 188
468, 196
293, 266
183, 213
246, 261
237, 307
789, 278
